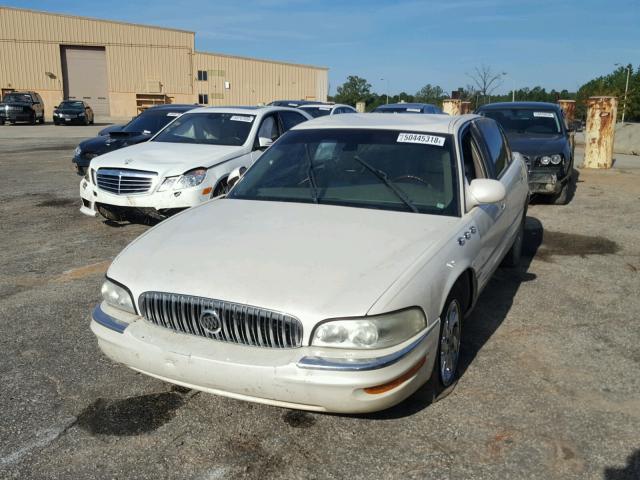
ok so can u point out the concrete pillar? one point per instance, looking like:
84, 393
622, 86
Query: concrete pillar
600, 132
360, 107
465, 107
569, 109
451, 106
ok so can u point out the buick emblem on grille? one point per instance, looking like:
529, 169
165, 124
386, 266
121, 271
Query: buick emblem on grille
210, 322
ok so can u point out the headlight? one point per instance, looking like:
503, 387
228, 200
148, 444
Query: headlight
77, 152
55, 114
117, 296
379, 331
167, 184
556, 159
81, 114
192, 178
545, 160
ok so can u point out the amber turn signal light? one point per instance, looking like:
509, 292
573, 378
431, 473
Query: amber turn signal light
385, 387
207, 191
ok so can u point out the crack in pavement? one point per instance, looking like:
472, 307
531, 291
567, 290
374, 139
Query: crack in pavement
43, 438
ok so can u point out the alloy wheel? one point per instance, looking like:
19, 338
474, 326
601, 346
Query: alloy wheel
450, 343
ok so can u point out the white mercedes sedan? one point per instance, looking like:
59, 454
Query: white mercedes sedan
337, 272
184, 164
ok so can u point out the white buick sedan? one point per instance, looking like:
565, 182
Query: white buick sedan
335, 275
184, 164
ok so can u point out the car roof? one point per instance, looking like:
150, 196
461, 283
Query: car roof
183, 107
435, 123
499, 105
406, 105
332, 105
244, 109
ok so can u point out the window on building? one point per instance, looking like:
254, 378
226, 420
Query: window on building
202, 75
203, 99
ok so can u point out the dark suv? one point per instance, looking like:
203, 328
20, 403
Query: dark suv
538, 131
22, 107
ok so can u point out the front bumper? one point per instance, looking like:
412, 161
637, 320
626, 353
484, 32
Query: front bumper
68, 120
161, 201
271, 376
548, 181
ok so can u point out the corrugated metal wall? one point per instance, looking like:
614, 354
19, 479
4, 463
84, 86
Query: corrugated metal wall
253, 81
139, 56
135, 54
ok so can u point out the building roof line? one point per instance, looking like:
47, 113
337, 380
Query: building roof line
254, 59
79, 17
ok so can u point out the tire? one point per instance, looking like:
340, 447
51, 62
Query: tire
32, 119
562, 197
86, 121
512, 258
110, 213
221, 189
449, 340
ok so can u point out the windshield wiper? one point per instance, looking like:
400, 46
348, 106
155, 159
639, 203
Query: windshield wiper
384, 179
313, 187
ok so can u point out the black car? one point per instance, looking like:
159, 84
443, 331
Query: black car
407, 108
290, 103
138, 130
22, 107
73, 111
539, 132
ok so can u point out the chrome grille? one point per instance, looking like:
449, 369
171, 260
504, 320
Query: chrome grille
238, 323
124, 181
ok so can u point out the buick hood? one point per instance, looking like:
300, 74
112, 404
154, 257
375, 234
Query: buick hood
536, 144
311, 261
167, 159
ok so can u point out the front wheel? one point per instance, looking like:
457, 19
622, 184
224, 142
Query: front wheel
32, 119
110, 213
562, 197
450, 339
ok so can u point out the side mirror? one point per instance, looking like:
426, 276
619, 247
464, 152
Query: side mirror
235, 175
264, 143
57, 106
483, 191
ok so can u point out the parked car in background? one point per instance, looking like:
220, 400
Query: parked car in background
322, 109
407, 108
334, 276
72, 111
538, 131
22, 107
290, 103
138, 130
185, 164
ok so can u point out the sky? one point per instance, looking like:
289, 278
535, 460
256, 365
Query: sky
402, 45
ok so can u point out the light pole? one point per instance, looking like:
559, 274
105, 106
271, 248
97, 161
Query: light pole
513, 90
626, 90
386, 94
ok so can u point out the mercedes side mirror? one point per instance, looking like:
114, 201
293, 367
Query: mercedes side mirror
235, 175
483, 191
264, 143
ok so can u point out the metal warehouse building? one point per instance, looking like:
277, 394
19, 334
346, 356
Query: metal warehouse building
121, 68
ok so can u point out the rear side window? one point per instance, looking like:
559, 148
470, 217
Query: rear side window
290, 119
496, 146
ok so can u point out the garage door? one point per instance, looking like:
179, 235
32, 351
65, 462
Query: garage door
84, 73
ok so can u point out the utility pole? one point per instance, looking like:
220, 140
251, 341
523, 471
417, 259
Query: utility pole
387, 94
626, 90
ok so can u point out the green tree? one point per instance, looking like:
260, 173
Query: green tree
613, 84
355, 89
430, 94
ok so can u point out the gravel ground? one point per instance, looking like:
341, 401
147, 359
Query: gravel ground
550, 384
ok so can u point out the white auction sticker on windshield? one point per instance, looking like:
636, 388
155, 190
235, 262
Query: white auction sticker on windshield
544, 114
421, 138
324, 108
416, 110
173, 114
242, 118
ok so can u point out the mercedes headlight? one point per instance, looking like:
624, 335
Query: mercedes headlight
556, 159
117, 296
379, 331
192, 178
77, 151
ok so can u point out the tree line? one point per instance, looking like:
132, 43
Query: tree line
484, 82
